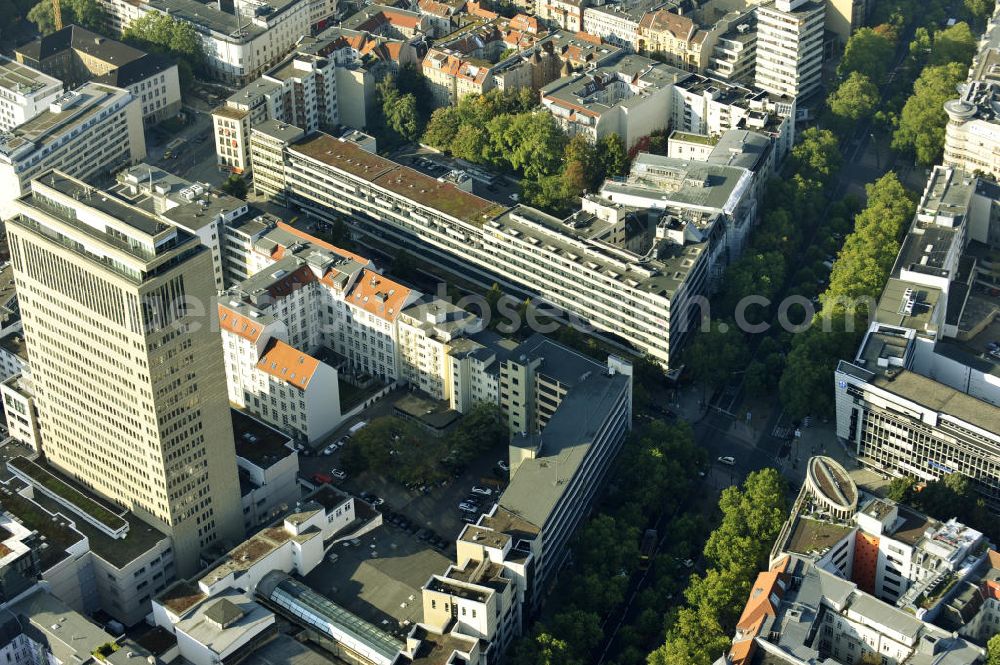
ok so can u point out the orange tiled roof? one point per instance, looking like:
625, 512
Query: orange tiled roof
238, 324
378, 295
476, 9
401, 20
435, 8
587, 37
299, 233
288, 364
758, 608
524, 23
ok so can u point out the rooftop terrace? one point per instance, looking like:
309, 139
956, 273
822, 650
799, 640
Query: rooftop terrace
401, 180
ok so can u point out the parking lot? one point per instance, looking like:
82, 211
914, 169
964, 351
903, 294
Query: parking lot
429, 513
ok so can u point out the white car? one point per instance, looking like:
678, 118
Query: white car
338, 474
467, 507
329, 449
484, 491
728, 460
503, 465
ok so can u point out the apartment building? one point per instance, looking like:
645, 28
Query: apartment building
568, 264
20, 411
972, 135
789, 47
470, 63
82, 256
734, 54
76, 55
327, 81
633, 96
24, 93
798, 612
387, 21
626, 97
562, 14
89, 132
506, 563
239, 44
920, 396
675, 36
293, 391
618, 23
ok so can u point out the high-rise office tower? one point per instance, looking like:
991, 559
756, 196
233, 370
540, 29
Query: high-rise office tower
131, 389
790, 46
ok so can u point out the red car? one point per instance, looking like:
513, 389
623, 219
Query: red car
321, 478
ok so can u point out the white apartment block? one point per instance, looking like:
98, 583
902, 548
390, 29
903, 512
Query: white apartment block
24, 93
972, 136
240, 45
616, 23
734, 55
268, 466
20, 412
289, 389
568, 264
633, 96
790, 47
93, 130
329, 80
627, 97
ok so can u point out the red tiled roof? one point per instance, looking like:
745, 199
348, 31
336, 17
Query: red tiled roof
288, 364
238, 324
378, 295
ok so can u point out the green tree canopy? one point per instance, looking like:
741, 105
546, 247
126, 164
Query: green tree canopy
867, 52
856, 98
714, 355
953, 44
817, 154
160, 33
235, 186
85, 13
922, 122
993, 650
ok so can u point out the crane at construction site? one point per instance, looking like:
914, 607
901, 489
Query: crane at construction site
57, 14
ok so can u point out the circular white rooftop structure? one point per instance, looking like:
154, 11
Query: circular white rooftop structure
832, 486
959, 110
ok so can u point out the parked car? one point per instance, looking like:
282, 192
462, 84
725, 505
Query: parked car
503, 465
321, 478
731, 461
338, 474
468, 507
484, 491
377, 501
329, 449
